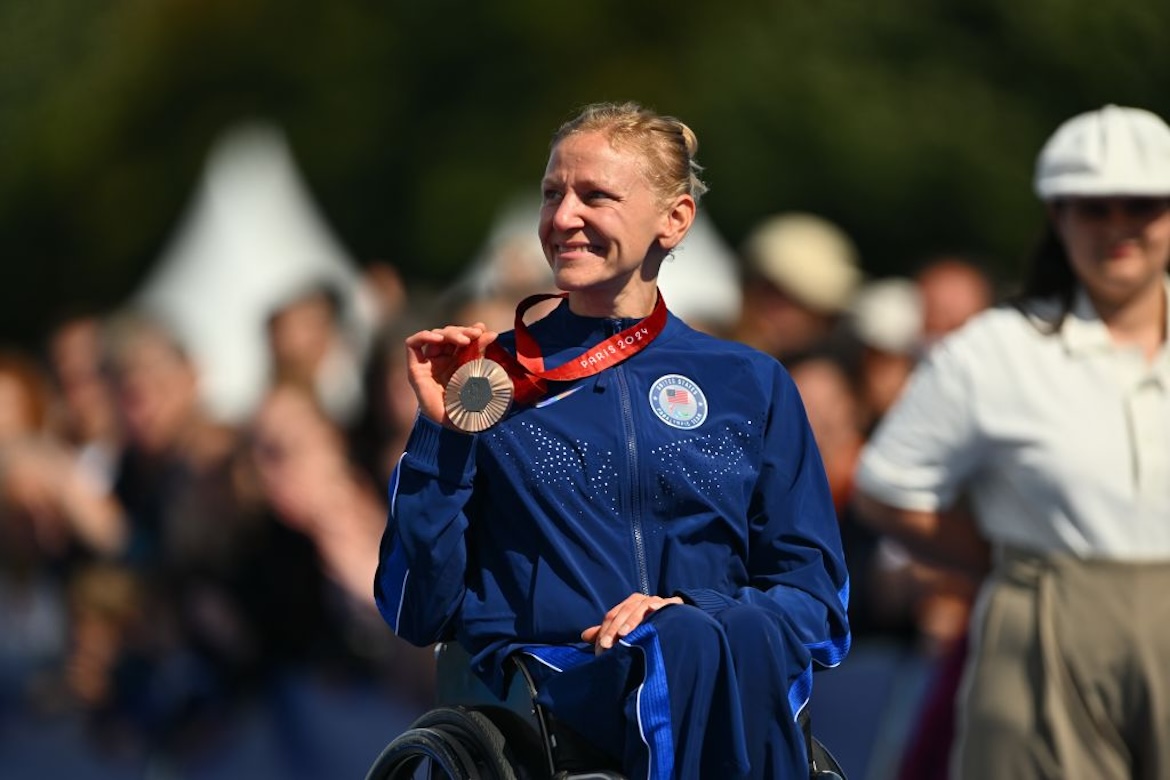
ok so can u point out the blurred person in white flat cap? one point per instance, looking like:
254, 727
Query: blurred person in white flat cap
886, 318
802, 272
1052, 415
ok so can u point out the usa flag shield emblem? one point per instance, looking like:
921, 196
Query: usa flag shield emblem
678, 401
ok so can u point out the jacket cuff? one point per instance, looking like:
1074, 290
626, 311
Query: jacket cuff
710, 601
446, 453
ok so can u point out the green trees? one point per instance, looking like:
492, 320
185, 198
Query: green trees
913, 124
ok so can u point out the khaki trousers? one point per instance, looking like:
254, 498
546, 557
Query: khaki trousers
1069, 673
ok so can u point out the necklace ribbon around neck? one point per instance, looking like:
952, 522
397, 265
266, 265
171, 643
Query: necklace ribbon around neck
478, 395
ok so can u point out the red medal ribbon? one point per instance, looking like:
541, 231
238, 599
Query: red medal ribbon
526, 367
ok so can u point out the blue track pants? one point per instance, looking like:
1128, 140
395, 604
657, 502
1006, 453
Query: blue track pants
689, 695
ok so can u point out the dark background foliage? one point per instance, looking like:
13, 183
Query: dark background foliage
913, 124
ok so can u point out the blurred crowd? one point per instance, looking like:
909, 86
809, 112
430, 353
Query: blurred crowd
160, 569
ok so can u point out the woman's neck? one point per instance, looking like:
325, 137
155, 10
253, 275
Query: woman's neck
1137, 321
628, 304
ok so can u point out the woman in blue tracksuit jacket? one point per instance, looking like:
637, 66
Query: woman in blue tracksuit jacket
654, 524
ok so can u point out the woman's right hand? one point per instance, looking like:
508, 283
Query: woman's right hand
432, 356
624, 618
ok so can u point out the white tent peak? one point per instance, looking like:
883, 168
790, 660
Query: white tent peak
252, 238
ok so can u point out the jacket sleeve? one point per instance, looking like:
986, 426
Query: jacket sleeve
422, 561
796, 565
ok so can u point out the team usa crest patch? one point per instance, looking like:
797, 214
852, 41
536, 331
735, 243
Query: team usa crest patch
678, 401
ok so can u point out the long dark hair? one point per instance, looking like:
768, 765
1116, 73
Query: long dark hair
1050, 275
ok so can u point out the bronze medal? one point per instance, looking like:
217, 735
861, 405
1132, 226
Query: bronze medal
488, 382
478, 395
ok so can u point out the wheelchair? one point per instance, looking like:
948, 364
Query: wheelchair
473, 735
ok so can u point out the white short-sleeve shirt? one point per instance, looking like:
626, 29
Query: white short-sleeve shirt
1061, 441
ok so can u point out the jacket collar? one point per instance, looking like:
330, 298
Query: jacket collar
562, 328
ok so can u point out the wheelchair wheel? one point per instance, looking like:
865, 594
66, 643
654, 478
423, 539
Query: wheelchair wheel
822, 764
492, 758
422, 753
457, 742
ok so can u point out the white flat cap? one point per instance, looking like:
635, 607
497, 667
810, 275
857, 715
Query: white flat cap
1111, 151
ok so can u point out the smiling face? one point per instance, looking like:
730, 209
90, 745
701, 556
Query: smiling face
1119, 247
604, 228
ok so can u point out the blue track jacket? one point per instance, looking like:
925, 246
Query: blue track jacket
689, 469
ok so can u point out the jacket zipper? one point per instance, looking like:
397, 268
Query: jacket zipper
634, 501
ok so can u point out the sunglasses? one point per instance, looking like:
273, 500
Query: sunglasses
1098, 209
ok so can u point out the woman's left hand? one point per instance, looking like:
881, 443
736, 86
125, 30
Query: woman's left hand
624, 618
